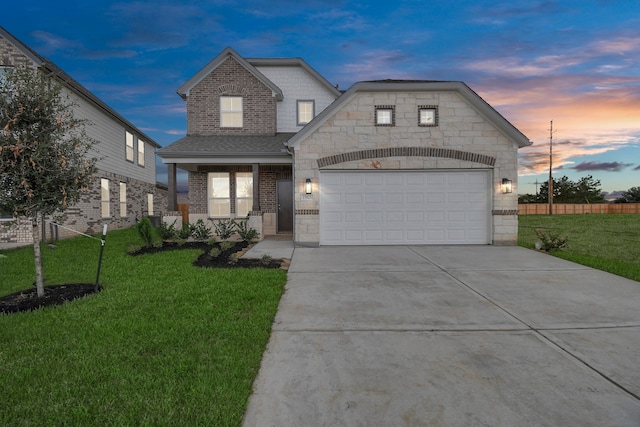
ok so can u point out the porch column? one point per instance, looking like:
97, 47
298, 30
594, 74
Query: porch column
173, 190
256, 187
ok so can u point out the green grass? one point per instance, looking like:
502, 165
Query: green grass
606, 242
165, 343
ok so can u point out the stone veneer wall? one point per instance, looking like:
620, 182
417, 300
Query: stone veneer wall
85, 216
466, 140
231, 79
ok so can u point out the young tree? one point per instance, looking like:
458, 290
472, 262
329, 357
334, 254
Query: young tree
44, 151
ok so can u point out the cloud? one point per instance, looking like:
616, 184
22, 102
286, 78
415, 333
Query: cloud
637, 168
53, 45
600, 166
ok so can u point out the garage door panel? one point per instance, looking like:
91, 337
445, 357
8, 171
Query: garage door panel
417, 207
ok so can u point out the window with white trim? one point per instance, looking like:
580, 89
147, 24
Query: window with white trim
150, 203
244, 193
140, 152
219, 195
123, 199
104, 198
385, 115
129, 146
231, 111
305, 112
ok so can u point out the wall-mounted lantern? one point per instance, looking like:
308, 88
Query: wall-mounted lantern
507, 186
307, 186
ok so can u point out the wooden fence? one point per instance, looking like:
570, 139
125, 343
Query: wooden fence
566, 208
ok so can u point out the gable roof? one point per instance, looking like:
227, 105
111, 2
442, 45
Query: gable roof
228, 52
486, 110
71, 83
296, 62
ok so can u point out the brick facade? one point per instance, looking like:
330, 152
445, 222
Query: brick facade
231, 79
86, 217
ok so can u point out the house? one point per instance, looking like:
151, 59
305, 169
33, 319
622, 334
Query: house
124, 187
240, 114
386, 162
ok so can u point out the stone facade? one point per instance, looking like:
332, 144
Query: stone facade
463, 139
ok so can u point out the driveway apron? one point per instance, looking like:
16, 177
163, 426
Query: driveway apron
449, 336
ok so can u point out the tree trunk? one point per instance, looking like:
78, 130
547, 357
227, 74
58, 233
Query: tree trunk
37, 258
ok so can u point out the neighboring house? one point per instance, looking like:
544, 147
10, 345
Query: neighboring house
387, 162
125, 186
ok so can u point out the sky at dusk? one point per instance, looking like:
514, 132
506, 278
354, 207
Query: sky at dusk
575, 62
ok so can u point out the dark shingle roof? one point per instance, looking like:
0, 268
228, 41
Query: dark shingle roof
228, 145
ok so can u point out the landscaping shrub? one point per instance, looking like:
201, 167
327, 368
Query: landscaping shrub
186, 232
200, 232
146, 232
245, 232
168, 232
550, 241
224, 229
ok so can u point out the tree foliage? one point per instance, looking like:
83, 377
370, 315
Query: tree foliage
632, 195
44, 149
585, 190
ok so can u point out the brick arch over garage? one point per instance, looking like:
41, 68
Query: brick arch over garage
446, 153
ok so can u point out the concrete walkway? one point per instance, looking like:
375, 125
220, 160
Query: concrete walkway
449, 336
277, 247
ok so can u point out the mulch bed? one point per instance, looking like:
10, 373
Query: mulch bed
223, 259
28, 300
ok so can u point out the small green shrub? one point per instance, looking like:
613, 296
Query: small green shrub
550, 241
186, 232
233, 259
146, 232
212, 240
224, 229
266, 259
168, 232
200, 231
245, 232
215, 252
132, 248
226, 245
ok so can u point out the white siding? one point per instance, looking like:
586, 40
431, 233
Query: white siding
296, 84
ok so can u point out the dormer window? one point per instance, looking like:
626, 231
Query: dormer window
230, 111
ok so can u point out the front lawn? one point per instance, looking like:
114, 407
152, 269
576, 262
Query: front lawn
606, 242
165, 343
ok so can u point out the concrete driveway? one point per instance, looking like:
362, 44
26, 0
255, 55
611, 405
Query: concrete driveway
449, 336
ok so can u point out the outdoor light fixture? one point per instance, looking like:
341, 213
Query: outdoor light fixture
307, 186
506, 186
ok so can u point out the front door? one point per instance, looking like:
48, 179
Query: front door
284, 200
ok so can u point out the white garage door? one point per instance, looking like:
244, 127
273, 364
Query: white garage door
417, 207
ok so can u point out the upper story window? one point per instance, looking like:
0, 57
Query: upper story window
385, 115
129, 146
141, 152
231, 111
305, 112
428, 115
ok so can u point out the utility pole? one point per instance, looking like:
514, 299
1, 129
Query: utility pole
550, 169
